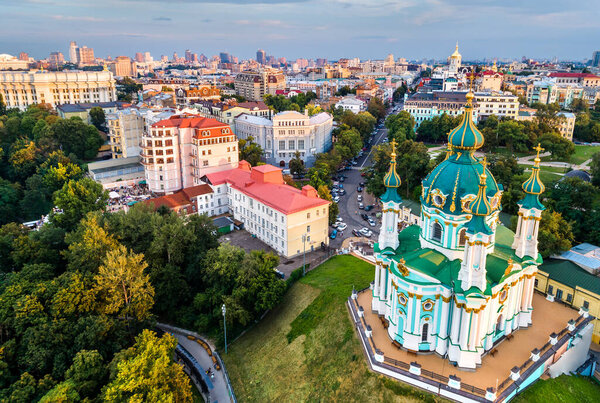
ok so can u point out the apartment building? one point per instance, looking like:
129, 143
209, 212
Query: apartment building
125, 131
23, 88
352, 104
584, 79
287, 219
549, 91
226, 112
426, 105
185, 97
178, 151
567, 124
254, 85
123, 66
286, 133
489, 80
501, 104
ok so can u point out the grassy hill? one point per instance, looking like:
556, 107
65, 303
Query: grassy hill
307, 350
562, 389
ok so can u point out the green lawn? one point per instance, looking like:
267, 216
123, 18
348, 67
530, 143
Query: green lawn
307, 349
582, 154
547, 174
506, 151
562, 389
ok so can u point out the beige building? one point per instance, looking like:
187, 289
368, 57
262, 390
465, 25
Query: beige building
85, 56
254, 85
187, 97
23, 88
287, 219
125, 131
567, 125
9, 62
497, 103
227, 112
123, 67
489, 81
178, 151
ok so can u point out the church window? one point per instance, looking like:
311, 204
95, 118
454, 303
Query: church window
499, 324
424, 332
402, 299
503, 296
427, 306
436, 232
462, 237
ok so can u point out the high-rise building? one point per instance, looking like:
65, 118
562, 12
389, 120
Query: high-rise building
195, 58
147, 57
596, 59
261, 56
139, 57
23, 88
225, 57
73, 55
188, 55
253, 85
24, 56
175, 57
123, 67
56, 59
85, 56
164, 58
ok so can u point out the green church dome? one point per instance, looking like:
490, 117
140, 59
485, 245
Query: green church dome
454, 184
533, 187
392, 180
466, 136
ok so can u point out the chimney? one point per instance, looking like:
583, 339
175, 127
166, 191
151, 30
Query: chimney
244, 165
309, 191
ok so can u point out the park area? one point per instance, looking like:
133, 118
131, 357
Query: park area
307, 350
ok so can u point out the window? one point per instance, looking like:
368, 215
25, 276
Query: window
292, 144
307, 215
569, 298
536, 282
586, 304
282, 144
301, 144
559, 294
462, 237
436, 232
550, 290
424, 332
308, 228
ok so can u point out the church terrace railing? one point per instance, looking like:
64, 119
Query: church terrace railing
441, 382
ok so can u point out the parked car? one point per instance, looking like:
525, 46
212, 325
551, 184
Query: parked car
341, 186
366, 232
361, 206
341, 226
279, 274
371, 222
359, 189
359, 198
336, 199
356, 232
354, 162
342, 179
362, 184
342, 192
364, 217
333, 234
369, 207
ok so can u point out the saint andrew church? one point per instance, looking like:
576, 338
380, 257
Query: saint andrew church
459, 282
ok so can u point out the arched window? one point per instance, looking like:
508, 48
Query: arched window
499, 324
462, 237
424, 332
436, 232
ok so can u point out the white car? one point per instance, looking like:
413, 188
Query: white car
342, 226
336, 199
371, 222
366, 232
339, 219
359, 198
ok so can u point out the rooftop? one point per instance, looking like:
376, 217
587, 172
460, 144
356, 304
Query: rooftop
265, 184
83, 107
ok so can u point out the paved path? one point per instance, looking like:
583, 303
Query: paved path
220, 391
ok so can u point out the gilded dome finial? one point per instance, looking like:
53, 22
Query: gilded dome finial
393, 144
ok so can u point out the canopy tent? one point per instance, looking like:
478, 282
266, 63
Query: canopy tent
113, 195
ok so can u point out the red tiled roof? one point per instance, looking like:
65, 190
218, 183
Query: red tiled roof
265, 184
181, 199
578, 75
194, 122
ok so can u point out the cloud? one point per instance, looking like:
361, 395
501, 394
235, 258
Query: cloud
161, 19
76, 18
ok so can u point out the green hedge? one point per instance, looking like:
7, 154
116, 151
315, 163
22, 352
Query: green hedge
296, 275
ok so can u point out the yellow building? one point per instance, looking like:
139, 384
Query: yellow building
23, 88
254, 85
567, 283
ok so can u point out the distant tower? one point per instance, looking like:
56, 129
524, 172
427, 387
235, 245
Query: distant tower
388, 237
73, 53
454, 61
530, 213
261, 56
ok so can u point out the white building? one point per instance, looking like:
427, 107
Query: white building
23, 88
177, 152
125, 131
352, 104
287, 133
10, 62
287, 219
501, 104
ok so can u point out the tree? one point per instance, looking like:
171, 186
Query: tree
412, 164
555, 234
147, 373
376, 108
399, 92
400, 126
437, 128
250, 151
595, 169
511, 133
558, 146
97, 117
74, 136
504, 168
348, 144
2, 106
579, 105
364, 122
334, 209
297, 165
9, 199
124, 286
76, 199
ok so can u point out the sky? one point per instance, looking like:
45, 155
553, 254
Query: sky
332, 29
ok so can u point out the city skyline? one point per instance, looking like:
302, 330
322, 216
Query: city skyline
292, 29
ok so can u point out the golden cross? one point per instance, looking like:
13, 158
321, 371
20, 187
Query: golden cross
471, 78
484, 163
538, 149
393, 143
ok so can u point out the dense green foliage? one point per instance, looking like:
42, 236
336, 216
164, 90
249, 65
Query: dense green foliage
587, 126
250, 151
127, 89
297, 103
39, 154
437, 128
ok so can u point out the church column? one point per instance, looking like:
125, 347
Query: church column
455, 326
465, 327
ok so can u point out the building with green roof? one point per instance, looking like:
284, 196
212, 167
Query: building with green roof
459, 281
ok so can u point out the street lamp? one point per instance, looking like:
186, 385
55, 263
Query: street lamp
304, 256
223, 309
